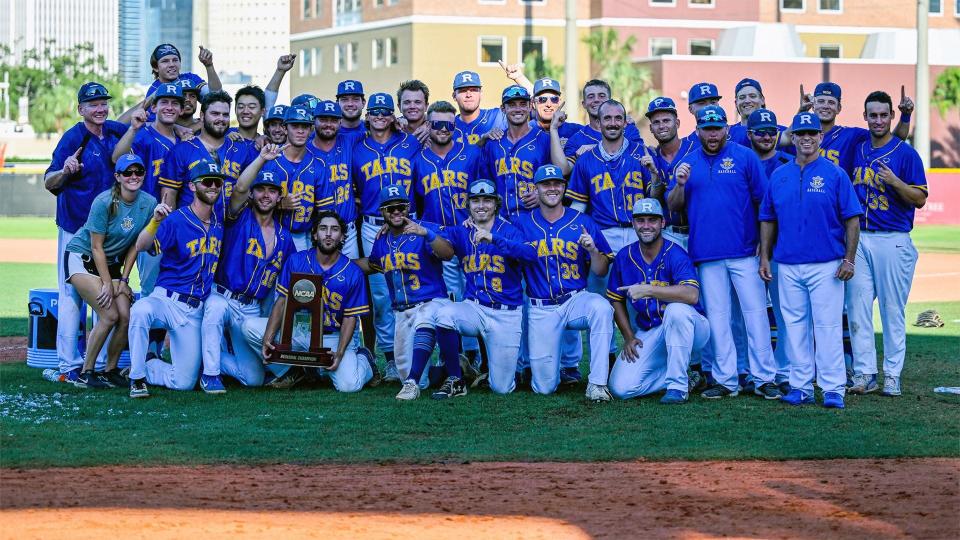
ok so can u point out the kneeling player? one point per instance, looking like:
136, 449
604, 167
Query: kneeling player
661, 283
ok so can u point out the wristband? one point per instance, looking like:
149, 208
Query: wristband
851, 263
152, 226
124, 280
431, 236
905, 118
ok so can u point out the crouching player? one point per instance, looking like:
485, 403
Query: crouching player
658, 278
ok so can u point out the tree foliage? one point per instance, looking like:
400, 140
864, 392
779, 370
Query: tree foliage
946, 91
538, 67
630, 84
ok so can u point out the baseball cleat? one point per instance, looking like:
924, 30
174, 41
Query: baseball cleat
719, 391
597, 393
768, 391
89, 379
570, 376
891, 386
482, 379
410, 391
674, 397
115, 378
452, 387
797, 397
212, 384
833, 400
390, 373
696, 382
784, 388
138, 388
365, 354
291, 378
745, 383
864, 384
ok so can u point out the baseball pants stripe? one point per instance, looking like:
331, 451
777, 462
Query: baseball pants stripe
500, 330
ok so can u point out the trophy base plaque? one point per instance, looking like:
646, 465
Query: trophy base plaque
306, 293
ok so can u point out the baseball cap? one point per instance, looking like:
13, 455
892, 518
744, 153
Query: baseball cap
187, 84
267, 178
305, 100
546, 85
481, 187
126, 161
164, 49
298, 115
761, 119
92, 91
349, 88
393, 193
647, 207
168, 90
711, 116
380, 101
511, 93
277, 112
701, 91
806, 121
467, 79
547, 172
328, 108
661, 104
827, 89
748, 82
205, 169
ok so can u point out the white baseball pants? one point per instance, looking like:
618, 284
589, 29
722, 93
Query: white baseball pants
500, 330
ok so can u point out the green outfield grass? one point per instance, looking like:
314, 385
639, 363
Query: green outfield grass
28, 227
937, 238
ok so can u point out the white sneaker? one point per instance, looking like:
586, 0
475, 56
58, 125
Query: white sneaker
597, 393
410, 390
891, 386
390, 373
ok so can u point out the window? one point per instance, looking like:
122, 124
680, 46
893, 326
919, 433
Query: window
393, 54
936, 7
309, 61
793, 5
492, 49
663, 3
347, 12
701, 47
532, 45
384, 52
307, 9
701, 3
662, 46
830, 6
532, 2
956, 8
378, 3
831, 51
345, 57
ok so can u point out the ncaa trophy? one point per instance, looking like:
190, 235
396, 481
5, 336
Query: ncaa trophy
306, 294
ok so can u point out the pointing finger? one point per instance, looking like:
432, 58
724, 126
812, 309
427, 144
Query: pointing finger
802, 93
903, 92
624, 288
78, 152
502, 65
562, 103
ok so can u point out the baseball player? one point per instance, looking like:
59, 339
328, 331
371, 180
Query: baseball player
307, 101
191, 96
749, 99
409, 254
547, 102
344, 301
413, 97
812, 233
890, 183
80, 170
568, 245
270, 92
720, 186
351, 100
763, 133
165, 64
659, 280
273, 126
670, 149
701, 95
256, 243
337, 153
382, 158
490, 251
474, 123
249, 103
188, 240
595, 93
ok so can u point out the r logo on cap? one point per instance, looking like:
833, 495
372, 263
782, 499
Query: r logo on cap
765, 116
328, 107
704, 89
348, 85
268, 177
550, 169
379, 100
466, 77
172, 88
394, 191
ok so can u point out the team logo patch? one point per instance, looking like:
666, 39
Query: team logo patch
127, 224
816, 185
727, 163
304, 291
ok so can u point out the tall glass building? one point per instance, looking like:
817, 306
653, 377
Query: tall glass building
144, 24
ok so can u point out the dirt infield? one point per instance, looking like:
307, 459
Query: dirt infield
894, 498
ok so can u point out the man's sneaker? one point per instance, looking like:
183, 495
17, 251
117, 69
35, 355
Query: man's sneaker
797, 397
696, 382
745, 383
891, 386
115, 378
570, 376
410, 391
864, 384
784, 388
768, 391
719, 391
674, 397
832, 400
365, 354
291, 378
452, 387
390, 373
469, 370
212, 384
89, 379
597, 393
138, 388
482, 380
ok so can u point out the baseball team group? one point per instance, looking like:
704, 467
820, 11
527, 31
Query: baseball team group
495, 236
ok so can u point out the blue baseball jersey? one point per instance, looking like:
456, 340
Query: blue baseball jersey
588, 135
671, 266
722, 196
440, 184
152, 147
512, 166
776, 160
78, 191
609, 188
352, 134
666, 169
188, 251
809, 206
840, 145
562, 264
338, 194
470, 133
308, 177
245, 267
884, 210
492, 270
197, 81
412, 271
376, 166
344, 288
232, 157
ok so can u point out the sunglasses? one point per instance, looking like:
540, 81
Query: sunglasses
395, 208
440, 125
806, 133
380, 112
211, 181
544, 99
765, 132
135, 171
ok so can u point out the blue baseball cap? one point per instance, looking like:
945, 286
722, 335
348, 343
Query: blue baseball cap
466, 79
546, 85
827, 89
393, 193
548, 172
126, 161
328, 108
761, 119
511, 93
92, 91
380, 101
349, 88
806, 121
187, 84
647, 207
661, 104
711, 116
277, 112
481, 187
168, 90
267, 178
701, 91
748, 82
298, 115
305, 100
205, 169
